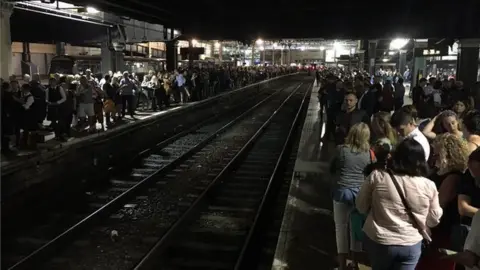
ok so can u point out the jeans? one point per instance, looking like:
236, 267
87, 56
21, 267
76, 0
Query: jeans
392, 257
128, 99
343, 234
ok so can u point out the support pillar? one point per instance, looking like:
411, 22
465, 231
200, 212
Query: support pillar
172, 55
281, 56
361, 60
402, 62
273, 57
289, 56
253, 54
111, 60
372, 55
6, 68
467, 61
26, 59
220, 51
60, 48
107, 59
418, 69
419, 63
190, 56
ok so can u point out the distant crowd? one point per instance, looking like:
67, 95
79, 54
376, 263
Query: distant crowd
78, 102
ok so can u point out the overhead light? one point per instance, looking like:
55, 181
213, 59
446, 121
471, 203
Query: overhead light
194, 42
337, 45
322, 48
398, 43
259, 41
302, 48
385, 59
92, 10
217, 44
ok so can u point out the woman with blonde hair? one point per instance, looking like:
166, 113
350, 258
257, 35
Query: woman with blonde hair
451, 160
444, 122
347, 168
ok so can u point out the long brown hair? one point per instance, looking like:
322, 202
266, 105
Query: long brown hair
381, 124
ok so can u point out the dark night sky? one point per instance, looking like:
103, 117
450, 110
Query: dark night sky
215, 19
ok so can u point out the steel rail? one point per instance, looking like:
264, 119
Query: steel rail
160, 246
54, 244
245, 259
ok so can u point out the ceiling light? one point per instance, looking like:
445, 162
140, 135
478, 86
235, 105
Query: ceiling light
92, 10
259, 41
398, 43
322, 48
385, 59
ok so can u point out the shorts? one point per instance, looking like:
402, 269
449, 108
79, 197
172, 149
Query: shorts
85, 109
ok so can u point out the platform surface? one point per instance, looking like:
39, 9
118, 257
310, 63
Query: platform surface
51, 144
307, 236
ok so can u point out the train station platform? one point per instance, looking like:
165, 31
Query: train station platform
307, 235
50, 144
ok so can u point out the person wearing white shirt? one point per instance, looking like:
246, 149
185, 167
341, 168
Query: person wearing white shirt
405, 125
470, 256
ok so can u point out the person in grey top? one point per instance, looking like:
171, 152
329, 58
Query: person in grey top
347, 171
85, 104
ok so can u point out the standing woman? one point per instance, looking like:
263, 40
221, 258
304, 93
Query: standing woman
400, 204
384, 136
347, 169
167, 86
451, 157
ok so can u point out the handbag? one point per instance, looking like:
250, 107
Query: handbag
426, 238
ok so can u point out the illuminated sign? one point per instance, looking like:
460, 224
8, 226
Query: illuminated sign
431, 51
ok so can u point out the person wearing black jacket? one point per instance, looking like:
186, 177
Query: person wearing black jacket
346, 119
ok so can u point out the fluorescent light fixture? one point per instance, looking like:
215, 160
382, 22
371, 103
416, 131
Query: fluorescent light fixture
92, 10
398, 43
385, 59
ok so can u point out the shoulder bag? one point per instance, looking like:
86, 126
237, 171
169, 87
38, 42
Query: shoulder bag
426, 238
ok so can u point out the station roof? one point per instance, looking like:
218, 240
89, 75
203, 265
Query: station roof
352, 19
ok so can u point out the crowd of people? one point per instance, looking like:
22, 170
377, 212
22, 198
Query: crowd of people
78, 102
405, 190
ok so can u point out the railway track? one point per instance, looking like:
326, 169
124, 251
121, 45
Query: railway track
129, 195
221, 228
33, 236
